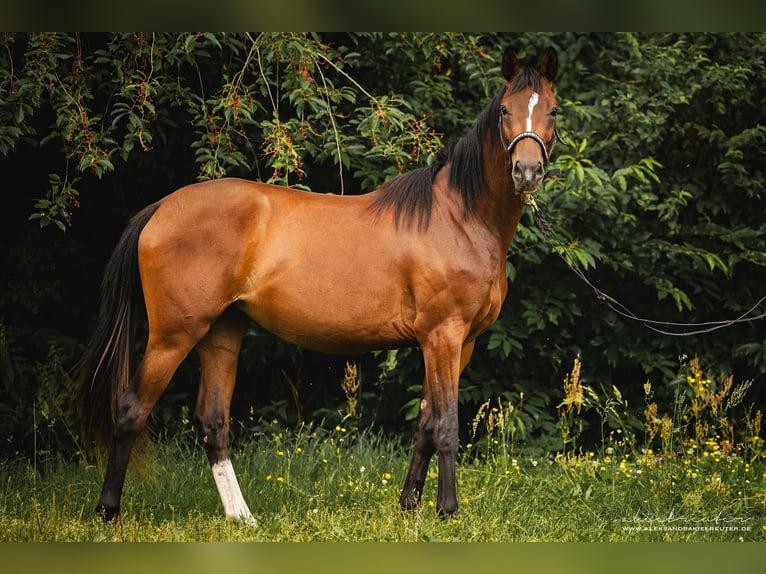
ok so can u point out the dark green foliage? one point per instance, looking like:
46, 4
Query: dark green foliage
660, 202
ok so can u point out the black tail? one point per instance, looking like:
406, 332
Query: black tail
107, 365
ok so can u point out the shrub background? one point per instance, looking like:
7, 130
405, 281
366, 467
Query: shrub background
661, 202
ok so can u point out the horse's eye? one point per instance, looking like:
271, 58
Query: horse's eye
555, 111
503, 110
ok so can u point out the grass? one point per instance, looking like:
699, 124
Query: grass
691, 478
334, 486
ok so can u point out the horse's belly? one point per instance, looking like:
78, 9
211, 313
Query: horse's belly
329, 321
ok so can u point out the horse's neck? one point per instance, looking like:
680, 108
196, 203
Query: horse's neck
500, 206
492, 223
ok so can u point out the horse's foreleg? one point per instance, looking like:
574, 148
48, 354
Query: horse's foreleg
438, 424
219, 352
133, 409
447, 431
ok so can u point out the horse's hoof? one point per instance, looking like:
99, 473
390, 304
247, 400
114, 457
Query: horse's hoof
447, 509
108, 514
454, 515
409, 503
244, 520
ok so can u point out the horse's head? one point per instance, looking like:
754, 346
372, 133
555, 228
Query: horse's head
527, 119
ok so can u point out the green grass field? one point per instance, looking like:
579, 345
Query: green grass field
698, 474
342, 486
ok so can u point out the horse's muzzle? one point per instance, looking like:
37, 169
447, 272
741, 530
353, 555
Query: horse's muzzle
527, 176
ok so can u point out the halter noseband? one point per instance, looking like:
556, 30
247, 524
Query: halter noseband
524, 135
531, 135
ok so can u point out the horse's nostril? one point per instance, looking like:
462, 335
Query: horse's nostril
527, 173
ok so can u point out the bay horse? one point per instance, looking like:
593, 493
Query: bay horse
419, 262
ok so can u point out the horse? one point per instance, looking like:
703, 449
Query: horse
418, 262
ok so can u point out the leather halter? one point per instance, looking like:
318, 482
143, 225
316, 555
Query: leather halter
533, 136
524, 135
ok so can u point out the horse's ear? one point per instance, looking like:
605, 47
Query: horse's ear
510, 64
550, 65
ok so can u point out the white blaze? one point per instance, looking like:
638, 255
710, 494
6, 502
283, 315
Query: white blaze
531, 107
234, 504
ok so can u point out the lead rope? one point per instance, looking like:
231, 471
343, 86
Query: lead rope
658, 326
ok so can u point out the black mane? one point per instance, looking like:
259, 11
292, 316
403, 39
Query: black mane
411, 195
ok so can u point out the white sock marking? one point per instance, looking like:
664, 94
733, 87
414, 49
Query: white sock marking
531, 107
234, 504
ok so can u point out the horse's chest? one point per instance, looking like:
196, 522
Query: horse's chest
496, 297
491, 297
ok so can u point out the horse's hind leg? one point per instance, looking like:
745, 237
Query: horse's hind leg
422, 452
219, 352
133, 408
